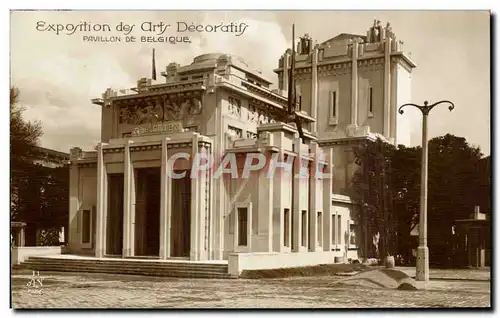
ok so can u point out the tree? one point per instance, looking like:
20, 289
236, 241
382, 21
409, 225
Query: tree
386, 193
373, 198
452, 189
24, 137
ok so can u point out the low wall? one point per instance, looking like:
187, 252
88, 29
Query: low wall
20, 254
238, 262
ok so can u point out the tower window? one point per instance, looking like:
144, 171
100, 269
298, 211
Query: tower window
370, 100
334, 104
334, 111
300, 102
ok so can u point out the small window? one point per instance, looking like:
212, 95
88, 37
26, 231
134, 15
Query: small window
334, 230
242, 226
286, 228
370, 100
300, 103
334, 108
86, 226
339, 230
304, 228
184, 78
334, 104
319, 225
197, 76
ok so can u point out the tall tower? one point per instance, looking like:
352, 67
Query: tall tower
352, 84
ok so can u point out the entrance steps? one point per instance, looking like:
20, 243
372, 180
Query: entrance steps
179, 269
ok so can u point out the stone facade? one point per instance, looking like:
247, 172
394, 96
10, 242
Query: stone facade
122, 203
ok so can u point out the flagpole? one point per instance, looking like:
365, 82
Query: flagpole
153, 71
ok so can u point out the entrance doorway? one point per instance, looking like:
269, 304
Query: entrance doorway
180, 230
114, 223
147, 212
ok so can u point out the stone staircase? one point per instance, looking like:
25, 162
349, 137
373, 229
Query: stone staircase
128, 267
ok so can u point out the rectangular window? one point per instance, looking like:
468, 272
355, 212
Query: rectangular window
319, 227
242, 226
86, 226
333, 103
334, 229
300, 102
304, 228
370, 100
339, 230
286, 228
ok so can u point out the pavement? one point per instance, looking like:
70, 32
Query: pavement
80, 290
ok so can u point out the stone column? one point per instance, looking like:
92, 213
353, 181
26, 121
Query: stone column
203, 202
327, 200
265, 210
298, 198
313, 204
387, 88
165, 202
22, 236
127, 203
195, 208
280, 189
314, 90
74, 206
354, 84
101, 207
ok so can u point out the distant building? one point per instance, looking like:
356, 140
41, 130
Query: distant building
123, 204
51, 158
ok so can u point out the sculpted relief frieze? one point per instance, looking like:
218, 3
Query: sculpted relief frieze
259, 116
160, 109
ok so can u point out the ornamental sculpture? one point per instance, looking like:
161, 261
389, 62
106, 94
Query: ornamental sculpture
166, 108
234, 107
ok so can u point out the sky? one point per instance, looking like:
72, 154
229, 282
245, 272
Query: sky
58, 74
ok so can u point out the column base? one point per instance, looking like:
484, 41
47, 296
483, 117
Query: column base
126, 252
422, 263
99, 253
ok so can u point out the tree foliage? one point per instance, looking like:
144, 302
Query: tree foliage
386, 192
39, 195
24, 135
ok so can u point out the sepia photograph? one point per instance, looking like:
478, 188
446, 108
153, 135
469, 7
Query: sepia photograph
211, 159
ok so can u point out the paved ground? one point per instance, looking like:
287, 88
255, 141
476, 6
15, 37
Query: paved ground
118, 291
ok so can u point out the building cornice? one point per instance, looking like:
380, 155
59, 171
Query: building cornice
345, 63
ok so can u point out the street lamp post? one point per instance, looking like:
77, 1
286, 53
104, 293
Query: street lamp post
422, 250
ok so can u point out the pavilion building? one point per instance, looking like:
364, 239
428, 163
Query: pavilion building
124, 204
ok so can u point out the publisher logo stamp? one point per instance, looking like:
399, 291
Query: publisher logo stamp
35, 283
